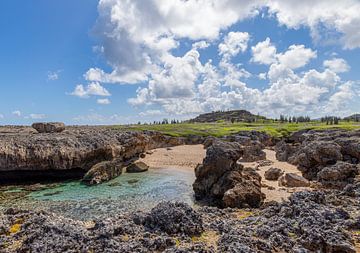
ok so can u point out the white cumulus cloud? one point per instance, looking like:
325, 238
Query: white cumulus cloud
103, 101
337, 65
92, 89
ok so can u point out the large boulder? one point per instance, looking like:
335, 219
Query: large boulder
103, 172
338, 174
220, 180
273, 173
49, 127
137, 167
293, 180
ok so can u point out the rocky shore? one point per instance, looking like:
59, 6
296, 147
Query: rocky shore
232, 217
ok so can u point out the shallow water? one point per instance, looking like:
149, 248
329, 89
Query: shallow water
128, 192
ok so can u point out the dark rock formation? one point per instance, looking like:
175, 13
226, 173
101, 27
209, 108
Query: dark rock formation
253, 152
273, 173
222, 181
338, 174
103, 172
173, 218
50, 127
293, 180
137, 167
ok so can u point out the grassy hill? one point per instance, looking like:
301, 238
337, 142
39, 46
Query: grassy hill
228, 116
219, 129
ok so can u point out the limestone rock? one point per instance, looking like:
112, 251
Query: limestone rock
137, 167
103, 172
253, 152
49, 127
273, 173
293, 180
338, 174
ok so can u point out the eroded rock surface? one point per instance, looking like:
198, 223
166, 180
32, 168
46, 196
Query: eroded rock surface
103, 172
137, 167
293, 180
224, 182
49, 127
273, 173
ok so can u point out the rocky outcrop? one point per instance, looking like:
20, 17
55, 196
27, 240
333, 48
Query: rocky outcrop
273, 173
338, 174
137, 167
172, 218
103, 172
293, 180
253, 152
49, 127
220, 180
313, 151
77, 148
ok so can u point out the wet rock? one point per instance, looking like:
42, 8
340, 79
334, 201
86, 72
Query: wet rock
293, 180
50, 127
137, 167
103, 172
174, 218
273, 173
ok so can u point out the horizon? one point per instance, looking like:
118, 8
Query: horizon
94, 62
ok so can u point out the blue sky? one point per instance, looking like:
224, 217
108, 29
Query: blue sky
119, 61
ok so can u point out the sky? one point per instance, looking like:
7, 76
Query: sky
124, 61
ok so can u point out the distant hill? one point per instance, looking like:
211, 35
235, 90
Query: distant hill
354, 117
230, 116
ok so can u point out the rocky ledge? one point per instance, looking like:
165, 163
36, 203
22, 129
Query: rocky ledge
308, 222
27, 154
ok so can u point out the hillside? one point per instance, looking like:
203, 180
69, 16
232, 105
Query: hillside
354, 117
228, 116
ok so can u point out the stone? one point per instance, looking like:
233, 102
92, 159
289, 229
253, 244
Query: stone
253, 152
137, 167
103, 172
142, 155
338, 174
50, 127
273, 173
221, 181
174, 218
293, 180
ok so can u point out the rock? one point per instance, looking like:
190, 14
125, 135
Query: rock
142, 155
220, 180
293, 180
103, 172
273, 173
253, 152
174, 218
338, 174
50, 127
137, 167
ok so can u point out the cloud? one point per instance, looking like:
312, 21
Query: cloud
262, 76
337, 65
17, 113
234, 43
92, 89
151, 113
103, 101
200, 44
1, 116
296, 56
264, 52
37, 116
53, 75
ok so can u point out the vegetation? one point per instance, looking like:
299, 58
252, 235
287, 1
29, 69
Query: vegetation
218, 129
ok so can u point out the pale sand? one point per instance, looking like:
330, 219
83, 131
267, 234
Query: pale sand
185, 156
279, 193
188, 156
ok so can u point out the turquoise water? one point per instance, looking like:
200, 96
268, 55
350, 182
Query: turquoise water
128, 192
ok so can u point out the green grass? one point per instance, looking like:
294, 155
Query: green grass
219, 129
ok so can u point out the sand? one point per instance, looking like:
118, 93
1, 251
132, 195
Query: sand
185, 157
188, 156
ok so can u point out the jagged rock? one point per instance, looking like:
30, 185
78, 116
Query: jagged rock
273, 173
103, 172
253, 152
137, 167
222, 181
293, 180
338, 174
50, 127
174, 218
